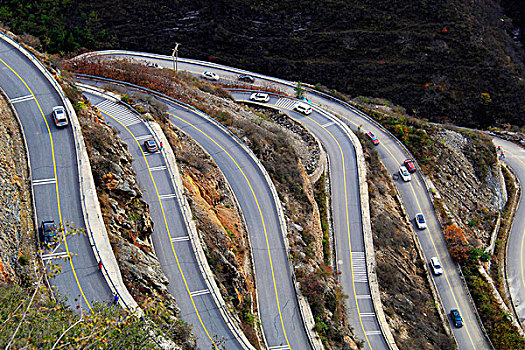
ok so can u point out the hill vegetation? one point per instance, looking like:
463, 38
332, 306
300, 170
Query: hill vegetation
451, 61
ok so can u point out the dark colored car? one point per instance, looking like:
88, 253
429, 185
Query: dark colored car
247, 78
49, 231
151, 146
456, 318
409, 164
372, 138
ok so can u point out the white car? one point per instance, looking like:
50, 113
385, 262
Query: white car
60, 116
405, 175
260, 97
436, 266
302, 108
420, 221
210, 75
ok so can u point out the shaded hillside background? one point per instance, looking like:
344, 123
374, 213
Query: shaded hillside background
448, 60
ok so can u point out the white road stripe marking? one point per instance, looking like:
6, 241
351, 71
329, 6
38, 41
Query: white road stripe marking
22, 99
327, 124
200, 292
279, 347
132, 123
373, 333
54, 256
44, 181
160, 167
368, 314
180, 239
364, 296
167, 196
143, 137
285, 103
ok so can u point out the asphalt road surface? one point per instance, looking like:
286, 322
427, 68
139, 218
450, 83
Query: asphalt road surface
55, 178
514, 156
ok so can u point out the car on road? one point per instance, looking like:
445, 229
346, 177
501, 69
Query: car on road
260, 97
421, 223
405, 175
409, 164
372, 138
246, 78
151, 146
210, 75
436, 266
302, 108
48, 228
60, 116
456, 318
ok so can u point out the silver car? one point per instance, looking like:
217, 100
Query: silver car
210, 75
405, 175
436, 266
421, 223
260, 97
60, 116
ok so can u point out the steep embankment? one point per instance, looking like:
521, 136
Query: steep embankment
17, 239
447, 60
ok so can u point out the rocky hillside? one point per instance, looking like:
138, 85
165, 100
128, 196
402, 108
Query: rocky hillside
446, 61
17, 239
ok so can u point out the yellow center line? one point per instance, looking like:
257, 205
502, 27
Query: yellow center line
56, 182
167, 229
260, 213
429, 234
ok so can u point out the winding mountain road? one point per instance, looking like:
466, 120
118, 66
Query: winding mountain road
55, 180
515, 266
279, 311
415, 194
171, 237
346, 214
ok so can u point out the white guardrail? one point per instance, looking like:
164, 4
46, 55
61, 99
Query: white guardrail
96, 230
169, 158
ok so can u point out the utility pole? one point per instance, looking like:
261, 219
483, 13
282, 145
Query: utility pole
175, 55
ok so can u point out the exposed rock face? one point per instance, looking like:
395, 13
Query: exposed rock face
17, 235
472, 191
405, 291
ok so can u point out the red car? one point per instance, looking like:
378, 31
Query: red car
373, 138
409, 164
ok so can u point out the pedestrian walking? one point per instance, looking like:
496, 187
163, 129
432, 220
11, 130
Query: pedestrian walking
161, 146
115, 299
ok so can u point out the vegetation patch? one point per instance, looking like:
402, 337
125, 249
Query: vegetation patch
32, 320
